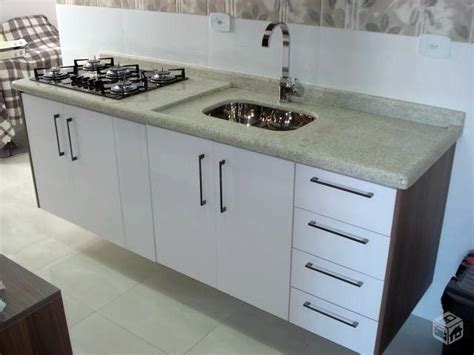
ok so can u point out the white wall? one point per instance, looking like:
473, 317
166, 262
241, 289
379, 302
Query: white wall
373, 63
16, 8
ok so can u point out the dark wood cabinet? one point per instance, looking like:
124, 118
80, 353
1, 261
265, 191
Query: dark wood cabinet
33, 322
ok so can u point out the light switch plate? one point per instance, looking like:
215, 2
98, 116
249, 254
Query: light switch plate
219, 22
434, 46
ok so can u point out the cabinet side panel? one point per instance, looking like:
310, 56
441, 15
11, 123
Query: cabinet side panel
418, 218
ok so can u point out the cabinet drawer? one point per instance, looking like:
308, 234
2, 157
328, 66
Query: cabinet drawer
344, 244
344, 287
346, 199
332, 322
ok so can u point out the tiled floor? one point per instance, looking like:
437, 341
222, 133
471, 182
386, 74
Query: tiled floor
119, 303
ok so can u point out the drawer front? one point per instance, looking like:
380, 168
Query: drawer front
332, 322
343, 244
334, 283
346, 199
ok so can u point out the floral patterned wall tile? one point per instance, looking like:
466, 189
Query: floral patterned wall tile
472, 26
340, 13
150, 5
451, 18
307, 12
78, 2
196, 7
391, 16
219, 6
263, 10
109, 3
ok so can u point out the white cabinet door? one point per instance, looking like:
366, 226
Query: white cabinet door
135, 190
46, 127
94, 167
254, 226
183, 203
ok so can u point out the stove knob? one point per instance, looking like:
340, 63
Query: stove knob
99, 85
79, 81
91, 84
73, 79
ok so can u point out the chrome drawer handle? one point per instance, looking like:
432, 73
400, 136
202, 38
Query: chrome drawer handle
221, 197
317, 180
334, 275
339, 233
331, 315
202, 200
68, 121
55, 118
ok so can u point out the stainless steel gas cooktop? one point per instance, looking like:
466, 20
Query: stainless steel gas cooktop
103, 77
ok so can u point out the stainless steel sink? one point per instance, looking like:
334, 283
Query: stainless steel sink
261, 116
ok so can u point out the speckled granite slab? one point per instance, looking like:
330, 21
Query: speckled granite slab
389, 151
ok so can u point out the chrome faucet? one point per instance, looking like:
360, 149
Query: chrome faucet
288, 87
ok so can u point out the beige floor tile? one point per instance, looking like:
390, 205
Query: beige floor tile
96, 335
75, 310
22, 223
226, 340
41, 254
17, 234
120, 260
95, 281
19, 206
76, 238
195, 294
170, 311
251, 331
13, 171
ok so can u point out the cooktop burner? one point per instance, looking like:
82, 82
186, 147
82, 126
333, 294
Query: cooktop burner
102, 76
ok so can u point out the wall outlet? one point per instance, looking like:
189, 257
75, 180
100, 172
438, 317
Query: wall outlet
434, 46
219, 22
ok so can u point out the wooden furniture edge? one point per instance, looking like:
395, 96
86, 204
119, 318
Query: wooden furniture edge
416, 231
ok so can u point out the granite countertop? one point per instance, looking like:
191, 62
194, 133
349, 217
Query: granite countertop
389, 151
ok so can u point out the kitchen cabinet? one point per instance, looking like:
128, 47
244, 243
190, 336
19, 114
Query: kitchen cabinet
73, 155
385, 240
182, 180
254, 230
233, 219
47, 134
96, 185
223, 216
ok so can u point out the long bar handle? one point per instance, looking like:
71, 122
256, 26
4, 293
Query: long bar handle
223, 208
351, 190
68, 121
55, 118
351, 323
201, 200
334, 275
339, 233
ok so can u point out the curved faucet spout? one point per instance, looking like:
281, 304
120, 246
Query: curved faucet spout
288, 87
285, 74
